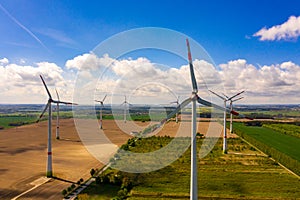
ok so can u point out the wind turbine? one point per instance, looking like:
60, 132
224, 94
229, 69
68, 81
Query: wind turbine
225, 99
193, 99
177, 103
49, 172
125, 107
231, 108
101, 107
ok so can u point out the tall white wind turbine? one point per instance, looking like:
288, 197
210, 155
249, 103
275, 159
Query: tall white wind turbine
225, 99
177, 103
193, 99
231, 108
49, 172
125, 103
101, 107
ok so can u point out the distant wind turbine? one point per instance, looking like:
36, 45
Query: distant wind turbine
177, 103
231, 108
49, 172
225, 99
57, 114
125, 103
101, 107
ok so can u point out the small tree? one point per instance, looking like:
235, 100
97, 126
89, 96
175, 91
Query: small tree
64, 192
98, 180
92, 172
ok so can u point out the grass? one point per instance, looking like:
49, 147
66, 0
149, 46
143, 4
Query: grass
288, 129
99, 192
9, 121
245, 174
284, 143
17, 119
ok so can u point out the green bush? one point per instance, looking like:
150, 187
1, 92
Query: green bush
92, 172
64, 192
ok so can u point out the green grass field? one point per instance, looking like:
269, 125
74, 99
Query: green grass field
284, 143
9, 121
17, 119
243, 173
288, 129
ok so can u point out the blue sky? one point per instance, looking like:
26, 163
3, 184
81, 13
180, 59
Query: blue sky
221, 27
58, 31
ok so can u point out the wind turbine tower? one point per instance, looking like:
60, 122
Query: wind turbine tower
49, 172
101, 107
125, 103
177, 103
231, 108
225, 99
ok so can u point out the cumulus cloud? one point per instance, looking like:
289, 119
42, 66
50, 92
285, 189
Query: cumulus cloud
289, 30
21, 83
4, 61
89, 61
278, 82
146, 82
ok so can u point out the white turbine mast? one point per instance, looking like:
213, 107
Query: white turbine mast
101, 107
231, 100
49, 172
225, 98
57, 115
193, 99
177, 103
125, 103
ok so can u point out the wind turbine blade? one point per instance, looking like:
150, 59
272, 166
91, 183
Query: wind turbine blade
63, 102
177, 109
225, 95
237, 99
46, 87
241, 115
154, 127
209, 104
98, 101
218, 95
104, 98
236, 95
57, 94
194, 82
45, 109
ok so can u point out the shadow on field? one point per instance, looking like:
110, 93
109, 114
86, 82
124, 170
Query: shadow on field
69, 140
61, 179
24, 149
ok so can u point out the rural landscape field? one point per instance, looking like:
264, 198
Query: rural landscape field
142, 100
262, 161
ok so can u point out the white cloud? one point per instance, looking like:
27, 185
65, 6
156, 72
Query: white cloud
286, 31
146, 82
4, 61
89, 61
268, 84
22, 84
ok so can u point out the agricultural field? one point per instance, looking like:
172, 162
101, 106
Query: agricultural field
9, 121
288, 129
282, 147
19, 119
243, 173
